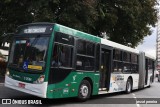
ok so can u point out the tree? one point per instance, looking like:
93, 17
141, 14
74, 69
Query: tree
124, 21
127, 21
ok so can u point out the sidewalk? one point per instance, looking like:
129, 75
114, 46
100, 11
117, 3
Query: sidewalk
1, 79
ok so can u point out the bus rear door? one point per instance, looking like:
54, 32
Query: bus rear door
106, 65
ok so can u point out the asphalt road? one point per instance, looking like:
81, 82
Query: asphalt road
112, 100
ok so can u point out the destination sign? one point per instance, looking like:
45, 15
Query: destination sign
35, 30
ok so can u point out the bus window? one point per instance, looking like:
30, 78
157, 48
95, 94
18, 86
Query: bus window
134, 61
117, 66
117, 61
126, 57
126, 68
55, 56
85, 48
134, 68
62, 56
134, 58
117, 55
85, 55
97, 56
63, 50
81, 48
90, 49
85, 63
64, 38
29, 53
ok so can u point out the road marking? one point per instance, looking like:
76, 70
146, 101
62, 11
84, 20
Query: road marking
134, 97
138, 105
133, 94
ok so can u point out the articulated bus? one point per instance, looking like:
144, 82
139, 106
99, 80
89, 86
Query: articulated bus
53, 61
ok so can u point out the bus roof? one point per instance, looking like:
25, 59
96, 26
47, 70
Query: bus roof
122, 47
77, 33
37, 23
119, 46
150, 56
87, 36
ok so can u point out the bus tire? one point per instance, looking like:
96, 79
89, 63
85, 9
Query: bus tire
84, 91
158, 78
128, 86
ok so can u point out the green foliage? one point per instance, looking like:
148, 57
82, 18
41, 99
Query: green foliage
124, 21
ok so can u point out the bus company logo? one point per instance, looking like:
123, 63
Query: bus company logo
74, 77
6, 101
14, 101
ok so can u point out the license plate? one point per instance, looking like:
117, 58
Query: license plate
21, 85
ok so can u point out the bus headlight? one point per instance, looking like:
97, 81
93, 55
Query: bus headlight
40, 80
7, 72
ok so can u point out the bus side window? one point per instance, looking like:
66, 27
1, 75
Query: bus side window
63, 50
117, 61
62, 56
55, 56
97, 57
85, 55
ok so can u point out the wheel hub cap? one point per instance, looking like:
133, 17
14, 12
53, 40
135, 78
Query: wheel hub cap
84, 91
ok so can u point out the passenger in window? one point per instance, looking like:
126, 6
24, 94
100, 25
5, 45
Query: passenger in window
55, 61
39, 57
62, 56
20, 60
39, 60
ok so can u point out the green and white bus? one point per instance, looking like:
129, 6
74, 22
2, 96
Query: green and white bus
53, 61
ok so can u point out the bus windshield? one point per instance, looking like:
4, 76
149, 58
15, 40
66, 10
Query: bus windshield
29, 53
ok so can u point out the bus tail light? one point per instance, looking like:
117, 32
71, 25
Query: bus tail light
40, 79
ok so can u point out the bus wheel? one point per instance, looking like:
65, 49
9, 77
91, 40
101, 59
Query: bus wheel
128, 86
84, 91
158, 78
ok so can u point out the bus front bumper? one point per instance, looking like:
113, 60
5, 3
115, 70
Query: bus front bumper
33, 89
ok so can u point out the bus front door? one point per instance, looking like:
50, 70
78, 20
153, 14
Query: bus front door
105, 71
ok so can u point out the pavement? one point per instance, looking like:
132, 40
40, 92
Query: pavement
111, 100
1, 79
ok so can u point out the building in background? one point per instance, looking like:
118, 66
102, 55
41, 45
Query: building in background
4, 52
5, 41
158, 44
3, 58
